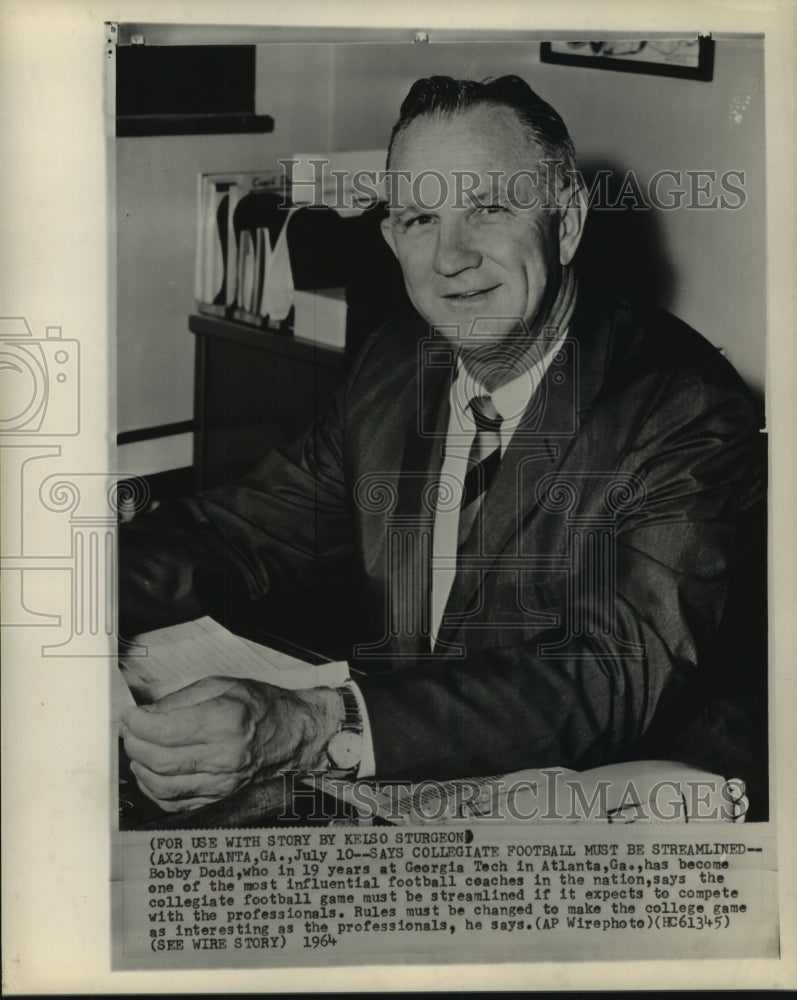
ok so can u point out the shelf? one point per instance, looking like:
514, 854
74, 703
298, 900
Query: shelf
254, 391
268, 340
186, 90
228, 124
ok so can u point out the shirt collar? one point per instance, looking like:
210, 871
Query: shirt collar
512, 398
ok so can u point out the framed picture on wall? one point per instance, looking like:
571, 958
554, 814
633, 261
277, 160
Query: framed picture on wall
689, 58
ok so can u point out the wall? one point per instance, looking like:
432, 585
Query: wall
706, 266
156, 230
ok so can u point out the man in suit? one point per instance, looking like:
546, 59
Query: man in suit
543, 501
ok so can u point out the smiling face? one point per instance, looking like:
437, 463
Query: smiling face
472, 232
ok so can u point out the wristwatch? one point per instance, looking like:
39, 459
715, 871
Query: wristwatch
345, 749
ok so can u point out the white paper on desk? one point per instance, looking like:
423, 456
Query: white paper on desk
181, 654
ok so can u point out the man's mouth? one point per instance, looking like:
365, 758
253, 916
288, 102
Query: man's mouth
473, 294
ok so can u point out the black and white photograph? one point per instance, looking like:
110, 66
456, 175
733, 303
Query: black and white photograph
426, 563
457, 453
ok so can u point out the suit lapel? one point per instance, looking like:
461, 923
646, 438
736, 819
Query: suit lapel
538, 447
424, 440
413, 519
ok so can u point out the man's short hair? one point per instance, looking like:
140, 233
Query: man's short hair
444, 95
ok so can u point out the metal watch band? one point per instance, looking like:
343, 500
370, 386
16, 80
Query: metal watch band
351, 710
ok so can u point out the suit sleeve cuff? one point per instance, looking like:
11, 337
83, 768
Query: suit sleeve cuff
367, 768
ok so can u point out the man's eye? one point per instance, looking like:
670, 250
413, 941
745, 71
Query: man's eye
416, 221
490, 209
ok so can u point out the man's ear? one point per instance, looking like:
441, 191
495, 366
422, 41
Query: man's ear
572, 217
387, 232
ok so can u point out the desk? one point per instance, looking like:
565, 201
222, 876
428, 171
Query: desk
618, 792
254, 390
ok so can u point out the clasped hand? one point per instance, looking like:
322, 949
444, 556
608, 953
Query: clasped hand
205, 741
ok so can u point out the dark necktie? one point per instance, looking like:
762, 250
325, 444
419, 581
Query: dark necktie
483, 462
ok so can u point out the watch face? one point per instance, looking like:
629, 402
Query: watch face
345, 749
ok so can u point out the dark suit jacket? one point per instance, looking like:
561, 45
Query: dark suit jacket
584, 624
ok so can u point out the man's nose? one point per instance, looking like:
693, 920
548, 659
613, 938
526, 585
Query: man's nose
454, 251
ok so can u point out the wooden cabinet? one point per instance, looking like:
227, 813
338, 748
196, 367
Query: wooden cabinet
254, 390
